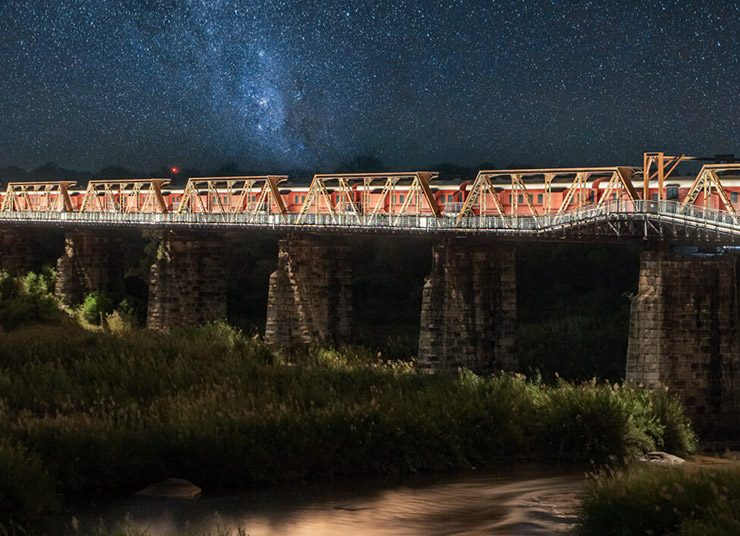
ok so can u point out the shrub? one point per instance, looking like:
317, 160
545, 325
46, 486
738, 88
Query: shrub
96, 305
685, 500
26, 489
112, 412
29, 299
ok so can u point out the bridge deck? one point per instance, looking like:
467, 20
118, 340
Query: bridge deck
662, 220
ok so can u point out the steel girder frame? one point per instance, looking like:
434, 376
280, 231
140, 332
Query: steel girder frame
708, 180
664, 166
484, 189
250, 195
418, 200
50, 196
125, 195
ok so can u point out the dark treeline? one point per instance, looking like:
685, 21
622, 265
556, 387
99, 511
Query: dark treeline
363, 162
366, 162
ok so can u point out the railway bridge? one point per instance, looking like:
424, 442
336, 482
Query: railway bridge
684, 331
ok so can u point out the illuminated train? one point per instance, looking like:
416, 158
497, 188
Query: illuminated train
522, 192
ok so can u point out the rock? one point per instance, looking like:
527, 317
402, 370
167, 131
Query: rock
174, 488
661, 458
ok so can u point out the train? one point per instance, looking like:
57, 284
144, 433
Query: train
231, 194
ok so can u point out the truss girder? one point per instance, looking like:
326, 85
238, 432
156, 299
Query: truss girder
664, 166
128, 195
366, 196
484, 195
43, 196
497, 199
707, 182
252, 195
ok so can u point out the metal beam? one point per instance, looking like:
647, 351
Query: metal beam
38, 196
125, 195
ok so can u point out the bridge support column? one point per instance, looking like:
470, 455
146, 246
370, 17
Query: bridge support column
468, 310
310, 294
92, 260
684, 335
19, 250
187, 282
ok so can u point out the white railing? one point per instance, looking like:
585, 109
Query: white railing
667, 211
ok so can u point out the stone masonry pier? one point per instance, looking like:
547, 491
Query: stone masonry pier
684, 335
187, 282
19, 250
310, 294
92, 260
468, 311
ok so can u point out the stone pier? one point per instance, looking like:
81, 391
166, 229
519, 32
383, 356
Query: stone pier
684, 335
187, 282
92, 260
468, 310
19, 250
310, 294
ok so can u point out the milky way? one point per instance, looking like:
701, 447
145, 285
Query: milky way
280, 85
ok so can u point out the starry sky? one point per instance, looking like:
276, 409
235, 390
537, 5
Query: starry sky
279, 85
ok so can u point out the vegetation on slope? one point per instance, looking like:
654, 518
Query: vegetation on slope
88, 410
685, 500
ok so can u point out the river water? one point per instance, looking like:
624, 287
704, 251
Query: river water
516, 500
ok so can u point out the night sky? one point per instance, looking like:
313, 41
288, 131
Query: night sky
279, 85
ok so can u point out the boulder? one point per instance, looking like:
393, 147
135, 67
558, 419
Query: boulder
661, 458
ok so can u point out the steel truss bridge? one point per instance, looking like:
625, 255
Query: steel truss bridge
358, 203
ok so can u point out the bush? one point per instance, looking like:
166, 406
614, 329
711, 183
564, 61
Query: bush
96, 306
27, 300
685, 500
113, 412
26, 489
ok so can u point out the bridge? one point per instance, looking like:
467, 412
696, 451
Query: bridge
706, 213
685, 318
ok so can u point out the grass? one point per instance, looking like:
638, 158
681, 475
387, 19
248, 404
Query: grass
683, 501
92, 411
113, 413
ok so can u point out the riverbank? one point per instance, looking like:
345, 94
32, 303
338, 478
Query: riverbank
97, 412
698, 498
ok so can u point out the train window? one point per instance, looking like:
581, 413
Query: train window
539, 199
520, 198
672, 193
400, 198
450, 198
733, 197
654, 197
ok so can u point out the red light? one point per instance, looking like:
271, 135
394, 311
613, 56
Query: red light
175, 170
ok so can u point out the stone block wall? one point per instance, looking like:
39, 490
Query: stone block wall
92, 260
19, 250
187, 282
684, 335
310, 294
468, 311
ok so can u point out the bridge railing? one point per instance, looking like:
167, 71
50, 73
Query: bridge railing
664, 210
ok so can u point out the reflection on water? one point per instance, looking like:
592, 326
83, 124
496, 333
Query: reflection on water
525, 500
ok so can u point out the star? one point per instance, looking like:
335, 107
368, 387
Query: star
282, 84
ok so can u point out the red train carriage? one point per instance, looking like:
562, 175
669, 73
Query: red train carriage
519, 192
